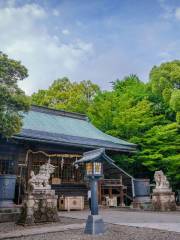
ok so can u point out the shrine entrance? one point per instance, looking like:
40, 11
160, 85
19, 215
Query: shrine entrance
65, 171
69, 180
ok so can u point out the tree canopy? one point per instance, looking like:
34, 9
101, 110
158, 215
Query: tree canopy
67, 95
165, 83
13, 101
146, 114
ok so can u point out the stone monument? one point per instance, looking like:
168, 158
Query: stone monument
40, 203
163, 199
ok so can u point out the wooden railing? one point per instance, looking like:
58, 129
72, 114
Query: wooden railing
112, 182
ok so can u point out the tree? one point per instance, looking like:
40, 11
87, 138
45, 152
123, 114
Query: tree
134, 112
158, 149
146, 114
13, 101
165, 82
67, 95
102, 110
165, 77
175, 103
110, 107
136, 120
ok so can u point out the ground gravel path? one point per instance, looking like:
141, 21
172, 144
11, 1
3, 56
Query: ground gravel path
114, 232
11, 226
147, 219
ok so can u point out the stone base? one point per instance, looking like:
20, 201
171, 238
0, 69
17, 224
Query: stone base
94, 225
39, 206
9, 214
142, 203
163, 201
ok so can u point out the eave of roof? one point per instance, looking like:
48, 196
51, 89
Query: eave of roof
93, 156
61, 139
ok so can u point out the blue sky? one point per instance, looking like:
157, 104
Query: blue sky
99, 40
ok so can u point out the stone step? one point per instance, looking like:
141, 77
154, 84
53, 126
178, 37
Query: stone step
9, 217
10, 210
9, 214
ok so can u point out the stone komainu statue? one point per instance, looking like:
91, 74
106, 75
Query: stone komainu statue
41, 180
161, 180
163, 199
40, 203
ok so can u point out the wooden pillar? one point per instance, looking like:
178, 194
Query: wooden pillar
102, 194
121, 197
110, 192
29, 167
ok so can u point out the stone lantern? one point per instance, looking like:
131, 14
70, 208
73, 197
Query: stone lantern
94, 171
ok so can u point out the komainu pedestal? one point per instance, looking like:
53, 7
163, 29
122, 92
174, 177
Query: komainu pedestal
40, 203
39, 206
163, 199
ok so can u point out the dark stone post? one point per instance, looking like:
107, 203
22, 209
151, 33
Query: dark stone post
94, 223
94, 200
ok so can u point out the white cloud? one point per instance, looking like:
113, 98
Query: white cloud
167, 9
24, 36
177, 13
65, 32
55, 12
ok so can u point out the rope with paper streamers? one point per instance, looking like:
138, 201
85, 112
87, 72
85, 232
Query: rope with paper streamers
50, 155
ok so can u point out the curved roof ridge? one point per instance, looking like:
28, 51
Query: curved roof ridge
57, 112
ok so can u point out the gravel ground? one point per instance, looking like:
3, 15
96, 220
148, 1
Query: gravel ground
11, 226
114, 232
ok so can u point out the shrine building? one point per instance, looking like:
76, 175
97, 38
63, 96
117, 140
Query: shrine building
63, 137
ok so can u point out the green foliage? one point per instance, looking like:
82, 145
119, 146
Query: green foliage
165, 78
143, 115
146, 114
12, 99
130, 90
175, 100
135, 120
175, 103
67, 95
110, 110
102, 110
165, 83
159, 150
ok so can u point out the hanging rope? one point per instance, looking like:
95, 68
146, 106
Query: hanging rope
50, 155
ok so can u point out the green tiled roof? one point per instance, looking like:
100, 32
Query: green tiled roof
61, 123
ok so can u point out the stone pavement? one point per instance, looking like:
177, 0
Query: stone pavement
169, 221
40, 230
